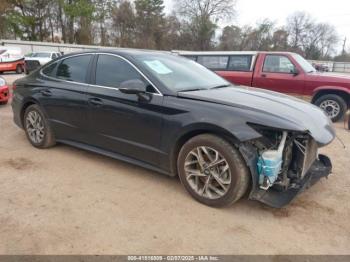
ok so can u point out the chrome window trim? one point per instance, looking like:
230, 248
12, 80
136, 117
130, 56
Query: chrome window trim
106, 87
62, 80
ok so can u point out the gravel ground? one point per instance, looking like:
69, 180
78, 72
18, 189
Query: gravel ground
67, 201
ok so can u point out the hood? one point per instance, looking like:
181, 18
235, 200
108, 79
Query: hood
331, 77
273, 109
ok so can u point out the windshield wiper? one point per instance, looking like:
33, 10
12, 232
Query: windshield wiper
220, 86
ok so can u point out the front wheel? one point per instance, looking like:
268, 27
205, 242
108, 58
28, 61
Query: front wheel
212, 170
37, 128
334, 106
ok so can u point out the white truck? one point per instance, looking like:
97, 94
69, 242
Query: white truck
36, 59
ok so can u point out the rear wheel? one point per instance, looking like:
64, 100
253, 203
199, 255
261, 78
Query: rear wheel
212, 170
19, 69
37, 128
334, 106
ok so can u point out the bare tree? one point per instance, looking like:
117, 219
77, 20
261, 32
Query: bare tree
202, 16
123, 17
298, 26
231, 38
210, 8
280, 40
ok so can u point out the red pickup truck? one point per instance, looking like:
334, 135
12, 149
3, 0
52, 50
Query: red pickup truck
283, 72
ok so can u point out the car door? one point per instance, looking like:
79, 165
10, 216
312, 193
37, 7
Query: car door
62, 94
279, 73
126, 124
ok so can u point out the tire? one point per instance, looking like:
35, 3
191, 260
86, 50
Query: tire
235, 181
47, 138
334, 106
19, 69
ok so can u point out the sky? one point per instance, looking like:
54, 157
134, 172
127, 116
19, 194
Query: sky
335, 12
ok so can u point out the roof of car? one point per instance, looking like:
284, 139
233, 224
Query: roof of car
194, 53
119, 51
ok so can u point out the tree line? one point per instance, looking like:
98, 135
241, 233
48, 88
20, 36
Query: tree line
192, 25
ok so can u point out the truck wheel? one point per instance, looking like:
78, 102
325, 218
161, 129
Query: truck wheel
19, 69
37, 128
334, 106
212, 170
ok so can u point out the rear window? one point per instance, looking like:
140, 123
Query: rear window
213, 62
74, 68
50, 69
240, 63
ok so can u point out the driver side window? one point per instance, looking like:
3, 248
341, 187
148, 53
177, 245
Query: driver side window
278, 64
111, 71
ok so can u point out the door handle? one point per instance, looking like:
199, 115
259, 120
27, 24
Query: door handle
95, 101
46, 92
263, 75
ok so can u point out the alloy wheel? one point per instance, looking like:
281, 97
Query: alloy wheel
331, 107
35, 127
207, 172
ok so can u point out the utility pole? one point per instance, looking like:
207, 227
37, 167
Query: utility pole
344, 45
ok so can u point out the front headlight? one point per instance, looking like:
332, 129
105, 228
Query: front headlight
2, 82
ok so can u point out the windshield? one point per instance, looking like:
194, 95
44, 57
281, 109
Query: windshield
307, 67
41, 55
180, 74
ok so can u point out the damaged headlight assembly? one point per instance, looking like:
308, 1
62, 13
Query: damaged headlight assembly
285, 163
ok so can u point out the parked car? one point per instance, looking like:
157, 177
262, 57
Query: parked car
4, 92
174, 116
321, 67
283, 72
11, 59
37, 59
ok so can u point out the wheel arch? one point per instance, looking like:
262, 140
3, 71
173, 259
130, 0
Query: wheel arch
195, 130
24, 107
327, 90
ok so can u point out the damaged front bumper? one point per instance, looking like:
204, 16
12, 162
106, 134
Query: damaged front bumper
321, 167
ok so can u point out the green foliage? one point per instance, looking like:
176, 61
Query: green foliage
79, 8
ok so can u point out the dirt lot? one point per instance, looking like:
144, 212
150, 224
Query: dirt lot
67, 201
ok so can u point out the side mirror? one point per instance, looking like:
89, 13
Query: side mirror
134, 86
295, 71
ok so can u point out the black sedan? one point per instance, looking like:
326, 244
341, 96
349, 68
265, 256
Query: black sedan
172, 115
